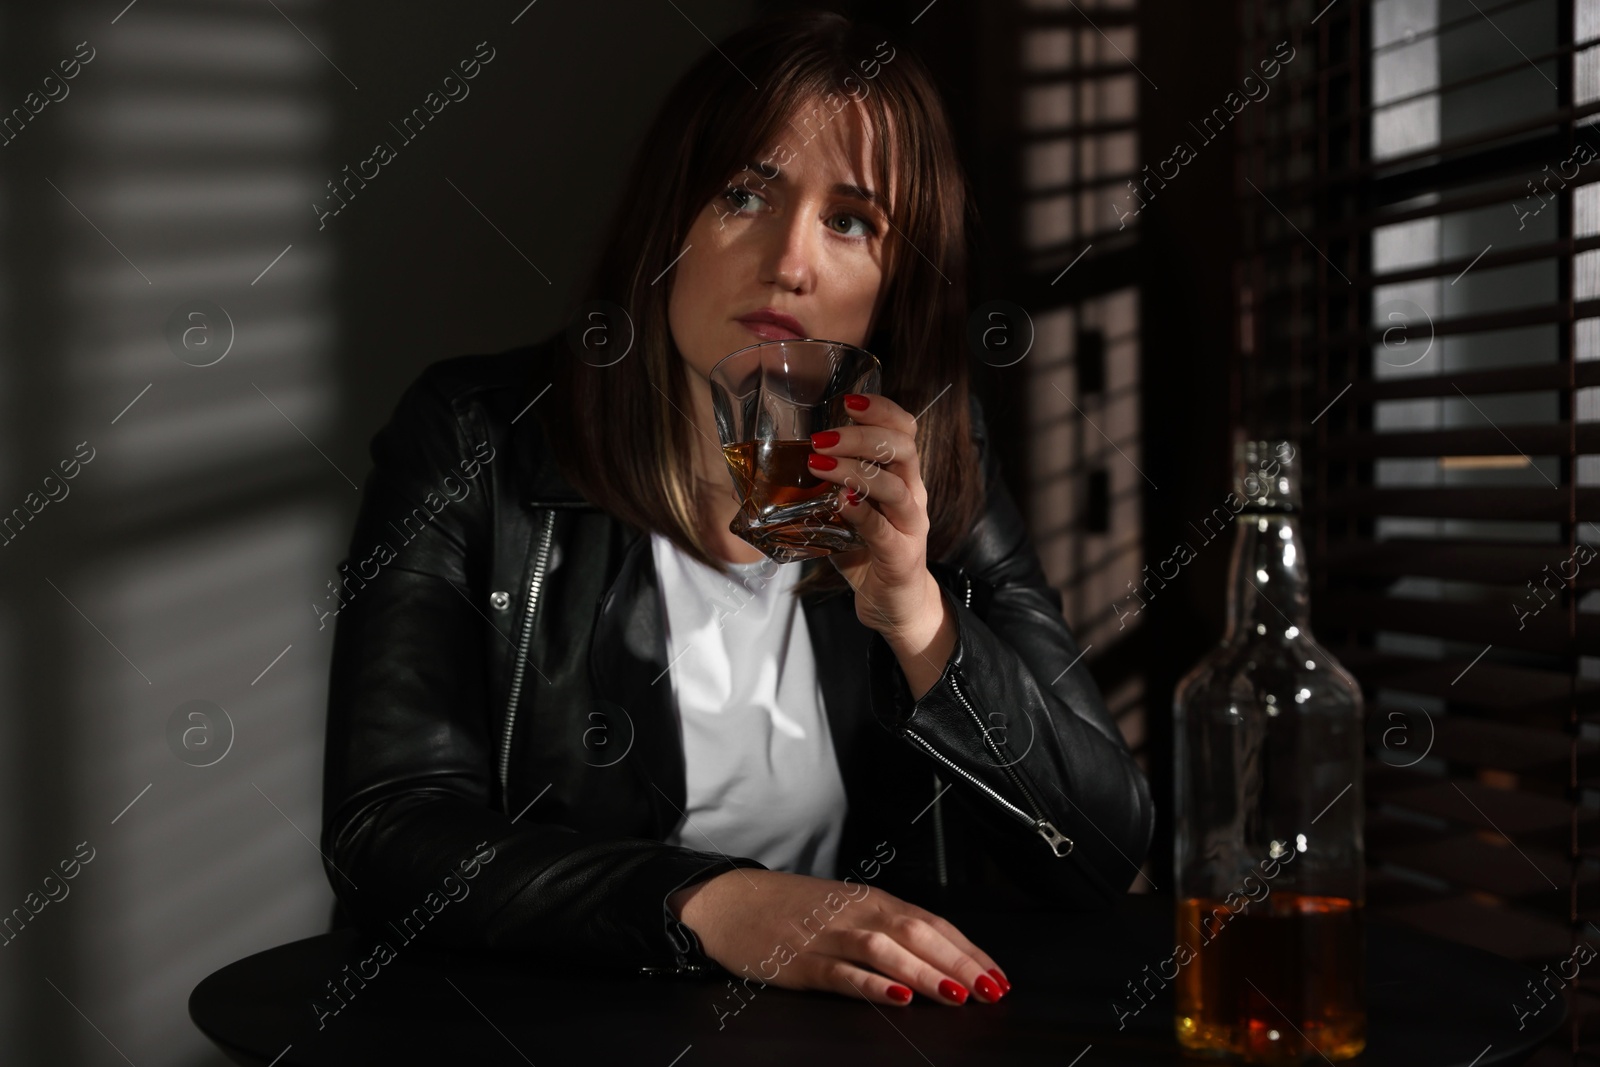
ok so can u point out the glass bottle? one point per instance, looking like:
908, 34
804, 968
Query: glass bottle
1268, 761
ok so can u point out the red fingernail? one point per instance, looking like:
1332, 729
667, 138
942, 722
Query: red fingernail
1005, 986
822, 463
952, 991
852, 496
855, 402
987, 988
899, 994
824, 438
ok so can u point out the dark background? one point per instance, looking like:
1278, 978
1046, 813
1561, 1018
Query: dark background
193, 548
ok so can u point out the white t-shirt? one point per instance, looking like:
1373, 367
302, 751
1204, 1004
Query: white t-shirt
762, 778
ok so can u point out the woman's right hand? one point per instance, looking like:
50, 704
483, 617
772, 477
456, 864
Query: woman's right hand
874, 945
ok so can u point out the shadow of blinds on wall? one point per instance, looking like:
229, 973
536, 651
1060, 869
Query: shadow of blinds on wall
1432, 335
13, 794
1078, 114
197, 150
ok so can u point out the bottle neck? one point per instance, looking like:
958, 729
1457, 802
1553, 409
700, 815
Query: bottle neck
1268, 584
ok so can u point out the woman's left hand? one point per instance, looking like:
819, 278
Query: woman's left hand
877, 459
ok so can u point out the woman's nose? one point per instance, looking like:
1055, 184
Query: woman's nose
790, 260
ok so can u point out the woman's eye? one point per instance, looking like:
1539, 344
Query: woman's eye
866, 228
743, 199
738, 197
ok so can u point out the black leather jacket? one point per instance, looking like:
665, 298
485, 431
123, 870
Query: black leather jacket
502, 771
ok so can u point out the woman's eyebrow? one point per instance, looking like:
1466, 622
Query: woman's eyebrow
856, 192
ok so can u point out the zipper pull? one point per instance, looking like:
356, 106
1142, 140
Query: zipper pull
1053, 837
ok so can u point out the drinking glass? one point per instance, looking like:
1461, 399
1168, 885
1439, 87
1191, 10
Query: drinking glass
769, 398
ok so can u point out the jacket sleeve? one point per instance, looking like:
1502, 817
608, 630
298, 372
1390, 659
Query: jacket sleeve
1016, 723
411, 841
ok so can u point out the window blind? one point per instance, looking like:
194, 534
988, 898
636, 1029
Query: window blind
1417, 306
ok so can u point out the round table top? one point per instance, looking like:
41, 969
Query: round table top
1428, 1001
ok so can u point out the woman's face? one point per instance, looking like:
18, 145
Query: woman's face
792, 236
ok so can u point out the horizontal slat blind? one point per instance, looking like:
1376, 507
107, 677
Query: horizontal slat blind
1080, 383
1420, 308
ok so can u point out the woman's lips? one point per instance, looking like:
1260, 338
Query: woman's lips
768, 331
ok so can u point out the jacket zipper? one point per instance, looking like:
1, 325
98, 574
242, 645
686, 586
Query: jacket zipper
942, 758
1035, 821
1055, 838
541, 557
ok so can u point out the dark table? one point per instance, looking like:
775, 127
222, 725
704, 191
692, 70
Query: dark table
1430, 1002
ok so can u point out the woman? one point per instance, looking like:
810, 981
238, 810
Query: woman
548, 728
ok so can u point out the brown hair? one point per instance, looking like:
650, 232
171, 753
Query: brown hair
639, 465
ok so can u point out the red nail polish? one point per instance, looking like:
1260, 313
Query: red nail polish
1005, 986
852, 496
952, 991
987, 988
824, 438
899, 994
822, 463
855, 402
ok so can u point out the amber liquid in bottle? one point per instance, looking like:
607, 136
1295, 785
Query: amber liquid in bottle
1307, 950
1269, 812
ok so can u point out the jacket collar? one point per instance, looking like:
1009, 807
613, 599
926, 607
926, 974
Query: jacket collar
543, 485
